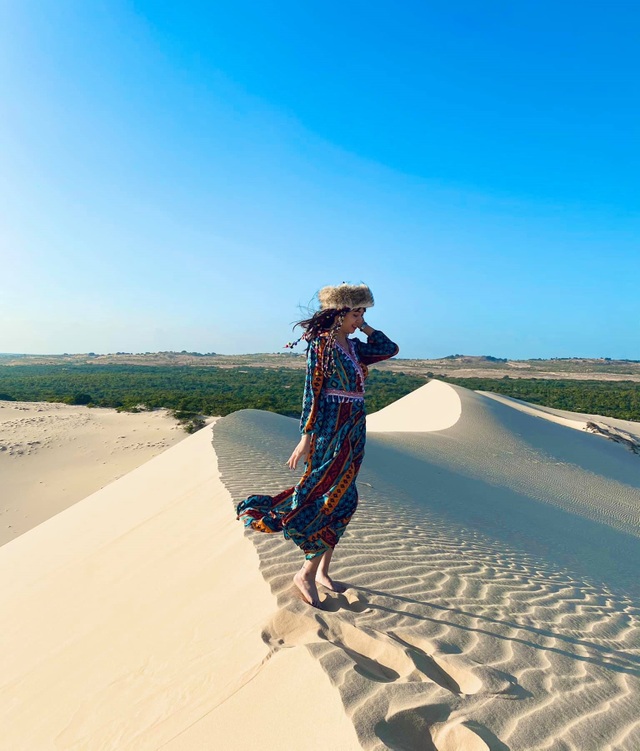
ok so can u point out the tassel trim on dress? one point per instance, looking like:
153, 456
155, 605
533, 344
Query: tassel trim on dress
335, 395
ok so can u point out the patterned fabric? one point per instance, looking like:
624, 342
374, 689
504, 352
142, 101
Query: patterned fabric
315, 513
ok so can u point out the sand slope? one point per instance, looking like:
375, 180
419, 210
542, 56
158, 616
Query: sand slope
133, 620
573, 418
53, 455
494, 569
434, 406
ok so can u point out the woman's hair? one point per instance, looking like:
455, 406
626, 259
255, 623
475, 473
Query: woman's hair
326, 321
322, 321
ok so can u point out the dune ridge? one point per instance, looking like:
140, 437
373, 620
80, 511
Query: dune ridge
132, 621
54, 455
493, 570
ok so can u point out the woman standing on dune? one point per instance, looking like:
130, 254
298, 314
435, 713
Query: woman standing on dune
315, 512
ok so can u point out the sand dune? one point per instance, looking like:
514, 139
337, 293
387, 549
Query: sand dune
493, 570
133, 619
53, 455
570, 419
435, 406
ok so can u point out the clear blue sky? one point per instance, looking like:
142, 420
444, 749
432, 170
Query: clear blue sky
185, 175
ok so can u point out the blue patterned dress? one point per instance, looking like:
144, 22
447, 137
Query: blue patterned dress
315, 512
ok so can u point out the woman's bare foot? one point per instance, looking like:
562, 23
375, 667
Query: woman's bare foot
328, 582
308, 589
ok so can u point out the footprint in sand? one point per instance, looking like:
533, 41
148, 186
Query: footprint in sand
374, 655
381, 657
449, 671
427, 728
464, 735
457, 673
288, 628
398, 656
349, 600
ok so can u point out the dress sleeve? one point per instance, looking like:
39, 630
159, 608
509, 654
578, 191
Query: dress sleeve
378, 347
312, 387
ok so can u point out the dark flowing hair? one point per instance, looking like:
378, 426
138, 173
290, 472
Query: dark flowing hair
322, 321
326, 321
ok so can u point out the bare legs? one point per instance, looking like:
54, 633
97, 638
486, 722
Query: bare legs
322, 576
316, 570
305, 580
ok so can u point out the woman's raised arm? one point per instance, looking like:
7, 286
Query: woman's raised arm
378, 347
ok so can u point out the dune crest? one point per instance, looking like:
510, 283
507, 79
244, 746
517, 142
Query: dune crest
625, 432
132, 621
434, 406
493, 572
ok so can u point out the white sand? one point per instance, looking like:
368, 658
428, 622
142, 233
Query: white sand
435, 406
494, 579
53, 455
575, 420
133, 620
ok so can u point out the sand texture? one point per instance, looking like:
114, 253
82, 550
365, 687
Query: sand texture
493, 569
53, 455
493, 572
133, 621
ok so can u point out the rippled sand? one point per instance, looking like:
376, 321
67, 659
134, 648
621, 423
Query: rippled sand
493, 571
492, 601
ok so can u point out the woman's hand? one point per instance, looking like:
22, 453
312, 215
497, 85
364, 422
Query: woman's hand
301, 451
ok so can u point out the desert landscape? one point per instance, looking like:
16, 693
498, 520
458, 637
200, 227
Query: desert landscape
492, 576
459, 366
352, 281
53, 455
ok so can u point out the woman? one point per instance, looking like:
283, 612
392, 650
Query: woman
315, 513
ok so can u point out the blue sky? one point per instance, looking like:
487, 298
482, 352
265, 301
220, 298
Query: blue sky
186, 176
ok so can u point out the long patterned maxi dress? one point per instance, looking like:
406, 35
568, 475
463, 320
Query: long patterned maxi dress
315, 512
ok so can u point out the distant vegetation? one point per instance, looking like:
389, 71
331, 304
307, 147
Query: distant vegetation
191, 391
488, 358
610, 398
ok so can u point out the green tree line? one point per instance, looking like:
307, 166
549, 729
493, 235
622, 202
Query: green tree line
619, 399
219, 391
206, 391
